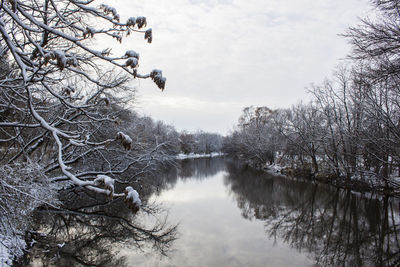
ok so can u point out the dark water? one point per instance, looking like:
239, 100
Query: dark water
216, 213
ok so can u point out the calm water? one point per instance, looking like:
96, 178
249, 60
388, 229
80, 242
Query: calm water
211, 212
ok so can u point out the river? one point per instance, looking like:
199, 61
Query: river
214, 212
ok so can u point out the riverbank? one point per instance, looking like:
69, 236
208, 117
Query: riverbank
196, 156
362, 183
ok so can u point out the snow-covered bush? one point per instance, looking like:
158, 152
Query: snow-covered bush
23, 187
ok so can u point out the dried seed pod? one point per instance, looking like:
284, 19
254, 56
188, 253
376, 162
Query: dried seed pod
141, 22
68, 90
89, 32
132, 62
159, 80
105, 52
110, 10
72, 61
131, 22
148, 35
13, 5
48, 57
107, 101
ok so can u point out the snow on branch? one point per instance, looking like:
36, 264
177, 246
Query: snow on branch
126, 141
131, 53
133, 59
131, 22
110, 10
62, 59
132, 198
106, 182
68, 29
89, 32
58, 84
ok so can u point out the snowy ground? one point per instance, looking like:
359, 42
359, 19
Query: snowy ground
273, 168
370, 179
195, 156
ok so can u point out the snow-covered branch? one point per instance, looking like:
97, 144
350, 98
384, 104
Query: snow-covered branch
48, 42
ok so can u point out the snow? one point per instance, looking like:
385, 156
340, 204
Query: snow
124, 137
33, 241
10, 248
373, 180
132, 195
131, 53
23, 187
105, 180
76, 143
125, 140
274, 168
195, 155
5, 256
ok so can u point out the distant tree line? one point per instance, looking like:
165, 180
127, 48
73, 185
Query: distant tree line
200, 142
352, 124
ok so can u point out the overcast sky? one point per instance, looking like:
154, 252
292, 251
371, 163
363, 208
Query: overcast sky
220, 56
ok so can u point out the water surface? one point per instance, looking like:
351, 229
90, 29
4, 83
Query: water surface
222, 214
233, 216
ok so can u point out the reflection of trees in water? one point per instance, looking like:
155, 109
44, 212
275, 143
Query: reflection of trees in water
199, 169
94, 233
337, 226
94, 230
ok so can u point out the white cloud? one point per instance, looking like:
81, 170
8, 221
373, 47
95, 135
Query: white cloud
222, 55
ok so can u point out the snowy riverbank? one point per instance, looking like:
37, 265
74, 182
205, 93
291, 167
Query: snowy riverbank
195, 156
361, 182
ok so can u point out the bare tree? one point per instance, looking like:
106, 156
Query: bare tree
62, 104
376, 40
255, 140
376, 44
351, 127
57, 88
